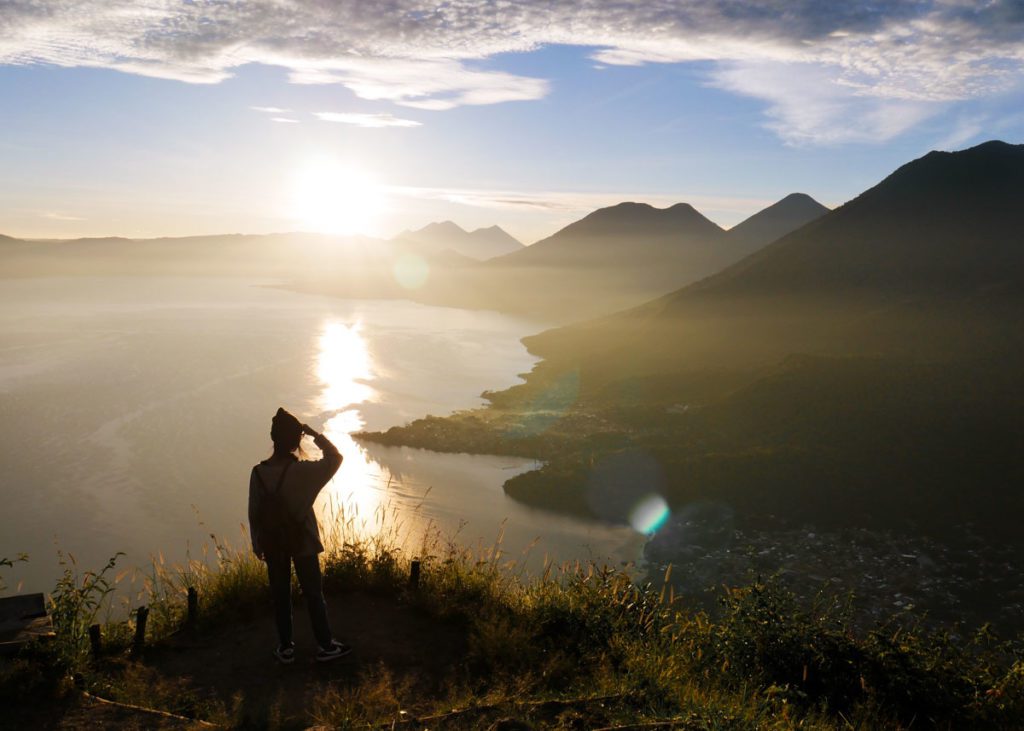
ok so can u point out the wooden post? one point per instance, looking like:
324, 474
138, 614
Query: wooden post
95, 640
141, 615
193, 607
414, 574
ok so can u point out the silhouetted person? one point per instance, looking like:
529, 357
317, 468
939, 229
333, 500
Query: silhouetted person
284, 530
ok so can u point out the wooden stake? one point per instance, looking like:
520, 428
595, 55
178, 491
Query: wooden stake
95, 640
414, 574
141, 615
193, 606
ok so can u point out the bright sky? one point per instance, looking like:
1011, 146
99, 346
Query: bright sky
172, 117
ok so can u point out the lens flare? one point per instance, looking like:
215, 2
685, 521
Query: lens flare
649, 514
411, 271
622, 485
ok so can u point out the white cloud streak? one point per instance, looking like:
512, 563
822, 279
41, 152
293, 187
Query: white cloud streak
966, 129
55, 216
816, 65
807, 106
578, 201
373, 121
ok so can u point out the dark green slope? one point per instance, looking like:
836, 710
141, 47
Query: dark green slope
946, 223
929, 263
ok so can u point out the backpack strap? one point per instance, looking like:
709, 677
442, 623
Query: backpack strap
275, 541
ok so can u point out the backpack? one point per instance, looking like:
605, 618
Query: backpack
280, 533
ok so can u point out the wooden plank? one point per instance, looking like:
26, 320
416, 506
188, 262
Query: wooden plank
23, 618
34, 629
22, 606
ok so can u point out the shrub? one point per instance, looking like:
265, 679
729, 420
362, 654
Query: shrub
74, 606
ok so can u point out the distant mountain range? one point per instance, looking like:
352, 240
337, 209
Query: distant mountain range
613, 258
481, 244
620, 256
620, 234
279, 256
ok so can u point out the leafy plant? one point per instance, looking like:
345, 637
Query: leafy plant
75, 603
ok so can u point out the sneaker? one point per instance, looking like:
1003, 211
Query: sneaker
333, 652
285, 654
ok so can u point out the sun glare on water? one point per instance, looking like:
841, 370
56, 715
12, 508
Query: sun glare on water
332, 198
343, 365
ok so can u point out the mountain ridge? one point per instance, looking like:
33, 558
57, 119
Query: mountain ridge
769, 224
480, 244
655, 227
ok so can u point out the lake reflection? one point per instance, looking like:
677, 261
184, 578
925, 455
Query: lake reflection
135, 408
413, 495
353, 498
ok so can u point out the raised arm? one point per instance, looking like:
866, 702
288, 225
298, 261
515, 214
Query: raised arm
314, 475
332, 458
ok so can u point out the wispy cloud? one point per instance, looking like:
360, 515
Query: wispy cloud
375, 121
581, 202
965, 129
816, 65
284, 120
271, 110
426, 83
807, 106
56, 216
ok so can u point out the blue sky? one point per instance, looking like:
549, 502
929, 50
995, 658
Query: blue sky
175, 118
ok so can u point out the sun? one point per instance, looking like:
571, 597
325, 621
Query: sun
333, 198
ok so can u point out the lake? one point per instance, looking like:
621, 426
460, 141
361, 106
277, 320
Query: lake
134, 408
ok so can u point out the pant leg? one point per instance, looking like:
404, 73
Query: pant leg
307, 569
279, 572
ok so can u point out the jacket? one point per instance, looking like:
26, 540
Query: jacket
304, 481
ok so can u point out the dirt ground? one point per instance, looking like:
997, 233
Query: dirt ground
236, 665
233, 667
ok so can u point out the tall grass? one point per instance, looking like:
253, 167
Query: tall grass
77, 601
584, 646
